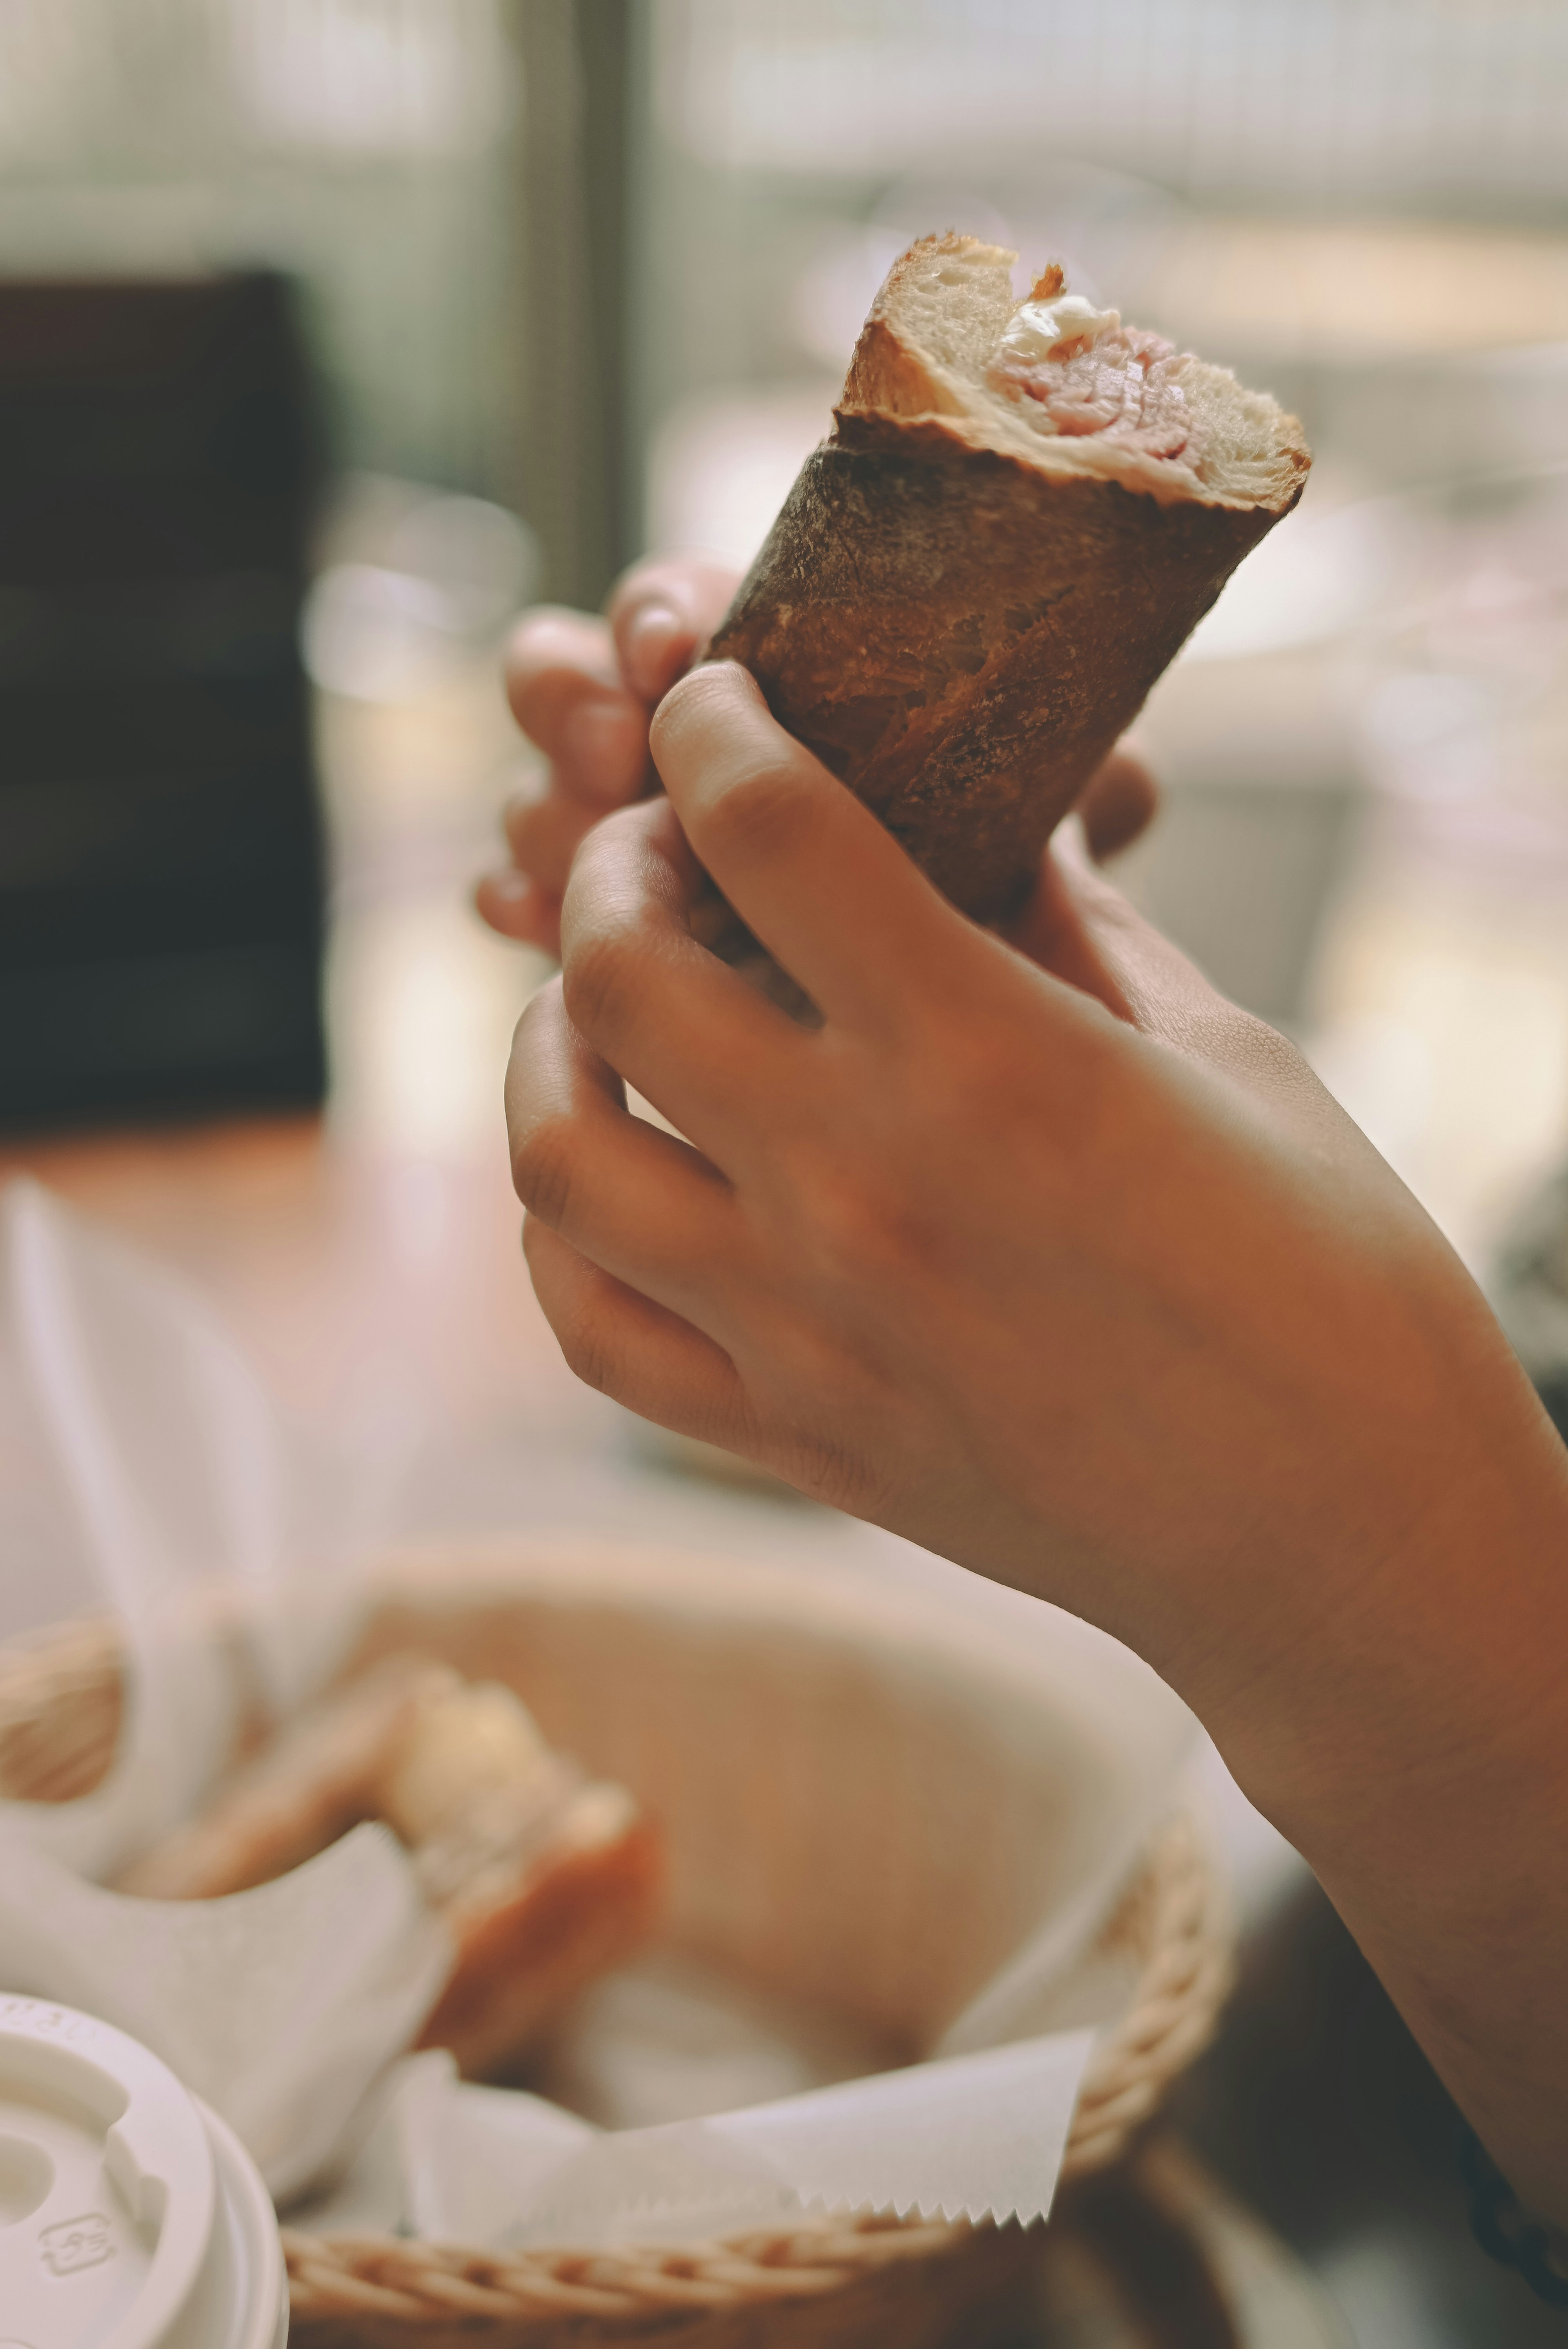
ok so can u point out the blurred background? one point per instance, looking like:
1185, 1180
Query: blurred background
333, 331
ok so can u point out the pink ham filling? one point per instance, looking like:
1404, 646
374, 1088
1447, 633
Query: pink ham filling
1120, 385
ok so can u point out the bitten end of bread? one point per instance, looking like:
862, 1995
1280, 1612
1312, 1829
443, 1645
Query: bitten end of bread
928, 351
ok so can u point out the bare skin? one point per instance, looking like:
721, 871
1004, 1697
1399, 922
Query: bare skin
1043, 1254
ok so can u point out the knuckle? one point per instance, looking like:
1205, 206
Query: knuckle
545, 1169
603, 977
585, 1347
762, 814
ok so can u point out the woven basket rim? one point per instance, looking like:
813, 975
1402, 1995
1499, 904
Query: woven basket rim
411, 2285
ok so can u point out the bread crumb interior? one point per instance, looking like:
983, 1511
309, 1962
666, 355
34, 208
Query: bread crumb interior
949, 301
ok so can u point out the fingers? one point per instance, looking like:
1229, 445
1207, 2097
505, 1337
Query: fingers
1120, 801
829, 893
663, 613
639, 1203
565, 686
695, 1041
543, 827
580, 689
516, 907
626, 1346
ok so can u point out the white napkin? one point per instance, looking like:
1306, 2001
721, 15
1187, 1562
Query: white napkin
974, 2137
280, 2006
141, 1459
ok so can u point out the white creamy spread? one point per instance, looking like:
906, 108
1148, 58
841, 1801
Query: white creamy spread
1075, 371
1038, 328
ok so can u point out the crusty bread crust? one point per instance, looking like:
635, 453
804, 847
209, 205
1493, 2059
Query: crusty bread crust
958, 615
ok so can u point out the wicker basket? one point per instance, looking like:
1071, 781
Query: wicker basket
889, 1783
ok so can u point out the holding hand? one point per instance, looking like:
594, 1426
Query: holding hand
1043, 1254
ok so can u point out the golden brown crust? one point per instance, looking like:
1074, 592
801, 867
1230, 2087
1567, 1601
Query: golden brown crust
961, 638
887, 379
959, 615
889, 374
315, 1781
525, 1951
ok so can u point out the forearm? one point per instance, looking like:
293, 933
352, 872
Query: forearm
1430, 1795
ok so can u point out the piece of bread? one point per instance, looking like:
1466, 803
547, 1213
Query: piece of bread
541, 1877
319, 1777
977, 578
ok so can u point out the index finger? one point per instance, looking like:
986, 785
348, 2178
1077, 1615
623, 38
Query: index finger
831, 893
663, 612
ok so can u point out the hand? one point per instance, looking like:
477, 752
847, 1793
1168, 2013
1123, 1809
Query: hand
1009, 1264
1046, 1255
584, 691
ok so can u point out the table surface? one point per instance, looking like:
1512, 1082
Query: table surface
382, 1296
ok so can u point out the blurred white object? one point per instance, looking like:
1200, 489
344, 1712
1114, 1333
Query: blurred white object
1318, 575
378, 635
415, 582
281, 2007
1434, 735
1379, 107
142, 1461
371, 80
719, 468
133, 2191
837, 287
144, 1466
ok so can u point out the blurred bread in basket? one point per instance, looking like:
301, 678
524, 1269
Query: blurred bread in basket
542, 1876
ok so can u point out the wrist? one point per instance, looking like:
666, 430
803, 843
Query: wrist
1428, 1791
1406, 1688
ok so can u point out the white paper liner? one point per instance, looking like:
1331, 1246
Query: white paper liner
979, 2137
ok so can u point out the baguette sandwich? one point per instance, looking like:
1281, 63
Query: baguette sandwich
1023, 511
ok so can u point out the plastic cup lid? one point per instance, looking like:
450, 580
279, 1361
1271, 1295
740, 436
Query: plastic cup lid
131, 2217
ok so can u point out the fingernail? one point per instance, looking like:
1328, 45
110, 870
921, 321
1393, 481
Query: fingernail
606, 743
509, 902
529, 792
1071, 842
654, 640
